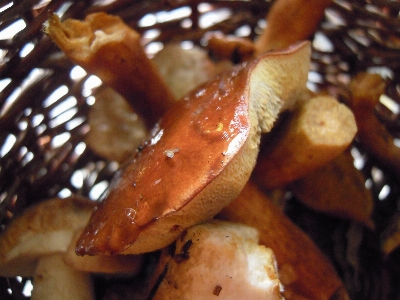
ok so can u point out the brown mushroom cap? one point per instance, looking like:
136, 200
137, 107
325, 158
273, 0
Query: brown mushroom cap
44, 229
215, 133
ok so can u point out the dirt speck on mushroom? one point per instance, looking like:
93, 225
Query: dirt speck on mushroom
217, 290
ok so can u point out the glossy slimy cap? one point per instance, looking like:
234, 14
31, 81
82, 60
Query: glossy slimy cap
198, 159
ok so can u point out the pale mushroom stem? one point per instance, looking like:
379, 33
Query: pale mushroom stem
53, 279
316, 132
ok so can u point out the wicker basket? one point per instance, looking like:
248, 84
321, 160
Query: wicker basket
41, 134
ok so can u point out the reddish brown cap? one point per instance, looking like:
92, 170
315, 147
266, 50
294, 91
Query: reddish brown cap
198, 158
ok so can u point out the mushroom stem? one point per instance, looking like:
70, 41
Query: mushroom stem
303, 269
105, 46
316, 132
53, 279
366, 90
337, 188
290, 21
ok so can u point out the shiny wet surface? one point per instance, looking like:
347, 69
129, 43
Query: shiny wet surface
203, 133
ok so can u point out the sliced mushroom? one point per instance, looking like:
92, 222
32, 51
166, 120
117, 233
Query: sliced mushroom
34, 245
316, 132
303, 269
223, 260
217, 130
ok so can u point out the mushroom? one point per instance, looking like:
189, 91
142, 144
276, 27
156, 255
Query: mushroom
304, 271
220, 259
390, 237
235, 49
115, 130
217, 129
34, 245
40, 243
105, 46
53, 279
366, 90
184, 69
317, 131
290, 21
103, 264
337, 188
